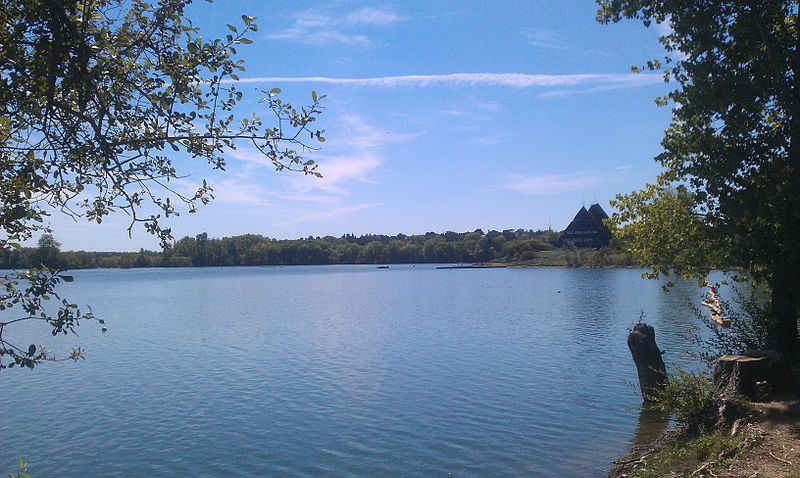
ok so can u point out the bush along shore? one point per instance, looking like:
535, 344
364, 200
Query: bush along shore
510, 247
741, 421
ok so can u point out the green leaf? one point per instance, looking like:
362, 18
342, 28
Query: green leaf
31, 349
159, 97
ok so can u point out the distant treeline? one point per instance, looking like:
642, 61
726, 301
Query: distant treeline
509, 246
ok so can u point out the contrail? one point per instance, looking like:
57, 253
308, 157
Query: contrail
514, 80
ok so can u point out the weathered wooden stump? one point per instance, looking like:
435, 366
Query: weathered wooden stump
753, 374
647, 357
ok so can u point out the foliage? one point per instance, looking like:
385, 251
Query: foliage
99, 99
29, 293
687, 396
683, 456
663, 232
730, 189
510, 246
98, 95
23, 470
47, 253
748, 315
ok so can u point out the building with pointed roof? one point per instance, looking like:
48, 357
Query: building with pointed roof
587, 229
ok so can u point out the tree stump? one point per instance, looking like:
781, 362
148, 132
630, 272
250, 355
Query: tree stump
647, 357
754, 375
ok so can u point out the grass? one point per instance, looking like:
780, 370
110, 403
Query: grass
574, 258
686, 455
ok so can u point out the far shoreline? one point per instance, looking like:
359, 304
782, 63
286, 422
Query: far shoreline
510, 248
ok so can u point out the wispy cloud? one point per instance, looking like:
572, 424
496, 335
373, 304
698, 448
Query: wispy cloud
553, 183
237, 190
353, 156
474, 109
665, 30
356, 165
313, 28
349, 159
544, 38
489, 140
251, 157
316, 198
342, 169
514, 80
322, 37
231, 189
562, 92
329, 214
374, 17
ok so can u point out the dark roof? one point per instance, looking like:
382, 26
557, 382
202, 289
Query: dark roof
597, 212
587, 229
583, 215
584, 221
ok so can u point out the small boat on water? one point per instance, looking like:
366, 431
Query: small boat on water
715, 307
382, 267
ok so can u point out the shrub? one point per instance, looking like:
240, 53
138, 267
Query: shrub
688, 397
748, 330
682, 456
23, 470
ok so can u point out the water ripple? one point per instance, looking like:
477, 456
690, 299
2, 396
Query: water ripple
342, 371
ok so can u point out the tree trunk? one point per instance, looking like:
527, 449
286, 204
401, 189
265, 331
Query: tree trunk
784, 282
647, 357
756, 375
784, 308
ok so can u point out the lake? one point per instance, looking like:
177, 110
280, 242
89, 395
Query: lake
344, 371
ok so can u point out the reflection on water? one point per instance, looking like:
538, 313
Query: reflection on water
347, 371
652, 423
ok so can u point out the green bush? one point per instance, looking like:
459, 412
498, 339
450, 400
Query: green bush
23, 470
682, 456
748, 312
688, 397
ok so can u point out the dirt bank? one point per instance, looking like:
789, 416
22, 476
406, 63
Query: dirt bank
763, 444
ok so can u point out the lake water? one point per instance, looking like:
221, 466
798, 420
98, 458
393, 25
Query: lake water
344, 371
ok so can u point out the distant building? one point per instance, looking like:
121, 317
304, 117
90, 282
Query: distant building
587, 229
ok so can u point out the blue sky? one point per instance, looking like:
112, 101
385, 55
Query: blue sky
445, 115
